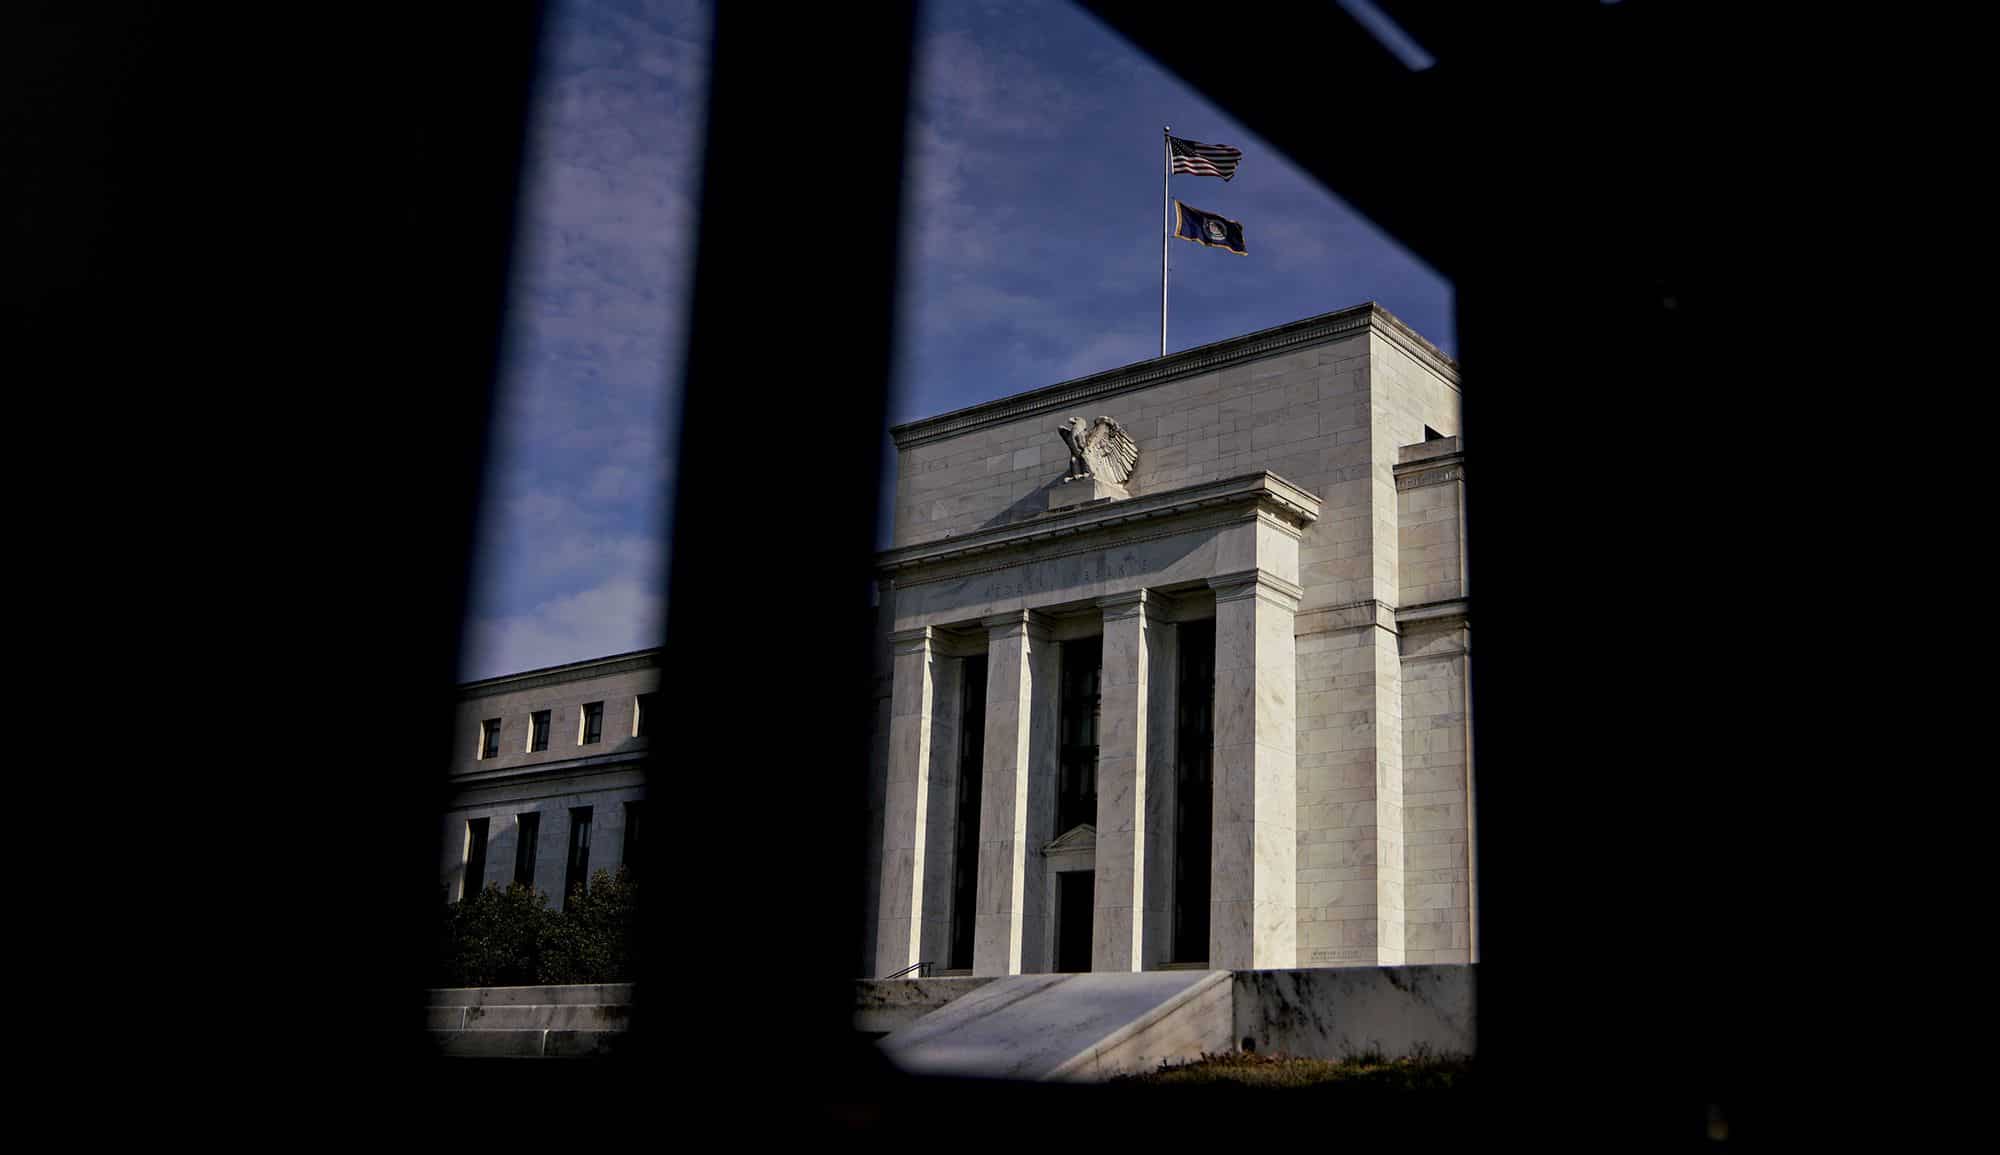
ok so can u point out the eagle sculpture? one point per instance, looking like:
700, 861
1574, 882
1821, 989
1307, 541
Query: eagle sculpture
1101, 449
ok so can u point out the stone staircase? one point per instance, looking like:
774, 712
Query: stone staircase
1083, 1027
529, 1022
1087, 1027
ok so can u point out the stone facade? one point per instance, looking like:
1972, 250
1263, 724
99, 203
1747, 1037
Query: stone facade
606, 774
1299, 491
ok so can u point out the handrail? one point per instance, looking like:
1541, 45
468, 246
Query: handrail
920, 968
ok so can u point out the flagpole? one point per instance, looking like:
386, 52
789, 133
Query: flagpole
1166, 212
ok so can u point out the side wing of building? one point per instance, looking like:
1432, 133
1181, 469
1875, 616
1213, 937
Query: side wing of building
547, 778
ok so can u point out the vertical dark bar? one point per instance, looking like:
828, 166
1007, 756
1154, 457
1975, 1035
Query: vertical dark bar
768, 620
275, 269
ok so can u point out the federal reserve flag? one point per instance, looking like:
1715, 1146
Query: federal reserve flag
1191, 224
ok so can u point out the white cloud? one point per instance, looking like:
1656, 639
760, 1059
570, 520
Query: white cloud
613, 617
1109, 351
581, 459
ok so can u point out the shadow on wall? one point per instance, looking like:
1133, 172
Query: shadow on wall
1030, 505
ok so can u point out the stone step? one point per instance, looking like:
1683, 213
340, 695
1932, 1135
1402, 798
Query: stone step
544, 1016
525, 1044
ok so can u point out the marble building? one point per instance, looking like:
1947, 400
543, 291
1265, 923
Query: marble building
1173, 668
548, 780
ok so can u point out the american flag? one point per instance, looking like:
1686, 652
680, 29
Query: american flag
1192, 156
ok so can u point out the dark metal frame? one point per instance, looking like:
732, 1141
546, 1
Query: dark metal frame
323, 218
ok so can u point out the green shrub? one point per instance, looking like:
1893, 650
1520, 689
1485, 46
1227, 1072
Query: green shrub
594, 939
512, 938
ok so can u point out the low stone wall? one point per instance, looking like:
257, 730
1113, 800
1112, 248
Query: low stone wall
1340, 1012
577, 1021
530, 996
884, 1005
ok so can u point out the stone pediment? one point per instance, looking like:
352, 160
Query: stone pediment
1082, 836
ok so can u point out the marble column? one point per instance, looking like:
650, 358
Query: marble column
1253, 874
1162, 745
940, 827
906, 809
1125, 781
1011, 931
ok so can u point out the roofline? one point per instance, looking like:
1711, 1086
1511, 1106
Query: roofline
1339, 324
567, 672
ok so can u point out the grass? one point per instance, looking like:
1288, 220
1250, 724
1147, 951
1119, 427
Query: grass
1369, 1072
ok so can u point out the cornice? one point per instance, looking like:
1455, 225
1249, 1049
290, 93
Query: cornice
1031, 622
557, 675
993, 561
1429, 473
911, 641
1415, 344
1368, 613
1432, 612
1255, 492
1252, 583
1139, 603
594, 764
1287, 338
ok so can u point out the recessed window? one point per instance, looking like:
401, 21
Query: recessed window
528, 829
1077, 716
965, 858
642, 713
593, 724
489, 738
1193, 799
576, 876
475, 857
635, 813
1432, 434
538, 731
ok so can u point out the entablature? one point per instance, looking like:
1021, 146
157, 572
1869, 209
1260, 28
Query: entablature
1069, 564
1262, 495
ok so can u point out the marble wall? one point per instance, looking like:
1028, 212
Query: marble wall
1340, 1013
603, 775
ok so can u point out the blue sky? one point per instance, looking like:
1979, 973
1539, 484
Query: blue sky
1032, 223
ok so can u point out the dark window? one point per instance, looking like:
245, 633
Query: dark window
593, 722
528, 830
538, 730
576, 876
1076, 783
475, 856
489, 738
1194, 789
635, 813
965, 853
1432, 434
643, 714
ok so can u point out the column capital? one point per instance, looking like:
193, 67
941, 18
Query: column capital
1017, 621
913, 641
1257, 583
1132, 603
